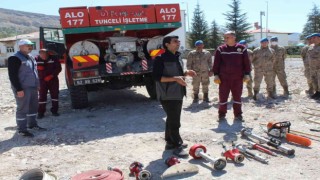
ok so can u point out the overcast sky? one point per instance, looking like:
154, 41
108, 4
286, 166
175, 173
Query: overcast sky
283, 15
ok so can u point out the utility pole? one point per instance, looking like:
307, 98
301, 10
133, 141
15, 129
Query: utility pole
261, 13
187, 15
267, 19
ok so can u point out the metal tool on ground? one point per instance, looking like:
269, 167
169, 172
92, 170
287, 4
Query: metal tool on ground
315, 130
198, 151
232, 153
261, 148
137, 171
172, 161
273, 142
246, 152
282, 130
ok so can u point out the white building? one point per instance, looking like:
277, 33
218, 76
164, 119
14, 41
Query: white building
284, 38
9, 46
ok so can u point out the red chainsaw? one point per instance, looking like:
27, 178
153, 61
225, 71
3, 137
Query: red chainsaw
282, 130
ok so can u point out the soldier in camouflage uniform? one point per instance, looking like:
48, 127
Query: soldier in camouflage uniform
250, 55
200, 60
305, 60
263, 61
279, 66
314, 57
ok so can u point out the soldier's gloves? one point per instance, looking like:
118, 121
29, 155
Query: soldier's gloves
216, 79
48, 78
246, 78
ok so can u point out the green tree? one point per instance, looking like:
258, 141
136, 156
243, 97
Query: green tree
215, 38
237, 21
199, 27
313, 22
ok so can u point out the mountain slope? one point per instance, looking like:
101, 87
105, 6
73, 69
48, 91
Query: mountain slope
18, 22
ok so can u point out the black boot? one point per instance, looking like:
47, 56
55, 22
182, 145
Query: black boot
286, 91
316, 95
271, 95
255, 95
195, 98
206, 97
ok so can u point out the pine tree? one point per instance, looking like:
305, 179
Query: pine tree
215, 38
199, 27
313, 22
237, 22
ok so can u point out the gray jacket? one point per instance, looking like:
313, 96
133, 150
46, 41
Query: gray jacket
28, 74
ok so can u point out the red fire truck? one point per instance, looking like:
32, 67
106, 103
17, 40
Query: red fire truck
109, 46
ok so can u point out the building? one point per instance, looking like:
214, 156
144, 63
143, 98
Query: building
9, 46
284, 38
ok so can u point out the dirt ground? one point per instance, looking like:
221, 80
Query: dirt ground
124, 126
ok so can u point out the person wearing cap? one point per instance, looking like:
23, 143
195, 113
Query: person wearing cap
23, 76
169, 76
306, 63
231, 67
200, 60
314, 60
263, 61
279, 66
48, 70
250, 55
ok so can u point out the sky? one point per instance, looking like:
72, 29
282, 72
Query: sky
283, 15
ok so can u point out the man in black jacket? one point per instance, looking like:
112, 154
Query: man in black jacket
170, 85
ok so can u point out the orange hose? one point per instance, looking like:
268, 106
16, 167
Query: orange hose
298, 139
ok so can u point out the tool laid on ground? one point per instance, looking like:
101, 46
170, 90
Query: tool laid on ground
137, 171
282, 130
114, 173
178, 169
250, 154
172, 161
259, 147
276, 143
232, 153
315, 130
198, 151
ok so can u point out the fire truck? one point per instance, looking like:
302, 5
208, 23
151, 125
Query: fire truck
109, 46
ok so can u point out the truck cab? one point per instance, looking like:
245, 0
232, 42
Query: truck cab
110, 46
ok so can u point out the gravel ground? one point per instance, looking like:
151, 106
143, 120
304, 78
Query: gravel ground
124, 126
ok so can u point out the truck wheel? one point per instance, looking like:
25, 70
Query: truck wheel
151, 88
79, 97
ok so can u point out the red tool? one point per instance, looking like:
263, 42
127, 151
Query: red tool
137, 171
282, 129
276, 143
259, 147
246, 152
232, 154
172, 161
198, 151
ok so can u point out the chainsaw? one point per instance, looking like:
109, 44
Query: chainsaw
282, 130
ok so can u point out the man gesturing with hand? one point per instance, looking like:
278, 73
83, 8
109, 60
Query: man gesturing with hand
170, 85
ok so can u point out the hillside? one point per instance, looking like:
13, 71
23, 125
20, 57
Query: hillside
19, 22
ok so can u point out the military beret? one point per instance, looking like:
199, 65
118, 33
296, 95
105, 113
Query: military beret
274, 38
243, 42
197, 43
314, 35
264, 40
307, 37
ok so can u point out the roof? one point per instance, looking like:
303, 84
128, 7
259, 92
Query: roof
34, 35
269, 31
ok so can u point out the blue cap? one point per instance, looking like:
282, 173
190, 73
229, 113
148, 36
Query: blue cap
197, 43
307, 37
274, 38
243, 42
314, 35
264, 40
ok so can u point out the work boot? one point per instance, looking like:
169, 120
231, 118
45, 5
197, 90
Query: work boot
285, 91
206, 97
310, 91
255, 95
270, 95
250, 94
274, 92
195, 98
316, 95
